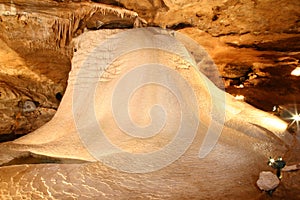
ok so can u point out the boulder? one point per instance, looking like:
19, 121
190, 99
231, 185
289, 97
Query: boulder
267, 181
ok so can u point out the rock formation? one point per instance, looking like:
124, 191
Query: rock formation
225, 138
246, 39
254, 44
267, 181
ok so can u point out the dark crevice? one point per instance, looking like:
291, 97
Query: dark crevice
30, 158
116, 25
110, 2
223, 34
163, 5
215, 17
284, 45
59, 96
180, 26
228, 34
254, 46
10, 137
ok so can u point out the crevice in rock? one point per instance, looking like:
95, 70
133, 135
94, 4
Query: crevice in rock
224, 34
31, 158
119, 25
164, 5
215, 17
10, 137
254, 46
291, 44
180, 26
59, 96
110, 2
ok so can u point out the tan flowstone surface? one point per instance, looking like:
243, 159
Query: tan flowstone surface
253, 43
248, 138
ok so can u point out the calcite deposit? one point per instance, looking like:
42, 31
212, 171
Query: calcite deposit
253, 43
246, 39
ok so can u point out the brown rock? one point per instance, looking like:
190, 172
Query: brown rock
267, 181
289, 168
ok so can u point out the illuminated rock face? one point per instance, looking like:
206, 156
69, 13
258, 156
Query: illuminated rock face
86, 80
238, 154
244, 38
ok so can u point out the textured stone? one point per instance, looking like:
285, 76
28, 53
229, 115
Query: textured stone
291, 168
259, 38
267, 181
19, 84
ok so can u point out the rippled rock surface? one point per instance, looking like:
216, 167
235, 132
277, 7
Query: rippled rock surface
246, 140
253, 43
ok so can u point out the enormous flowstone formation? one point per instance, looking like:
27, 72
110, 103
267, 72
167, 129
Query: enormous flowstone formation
253, 46
114, 82
246, 39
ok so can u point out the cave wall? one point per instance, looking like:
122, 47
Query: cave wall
245, 38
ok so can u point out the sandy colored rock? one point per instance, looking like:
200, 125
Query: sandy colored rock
241, 145
267, 181
19, 85
262, 36
289, 168
239, 36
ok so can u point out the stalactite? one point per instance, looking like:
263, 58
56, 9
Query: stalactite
66, 26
